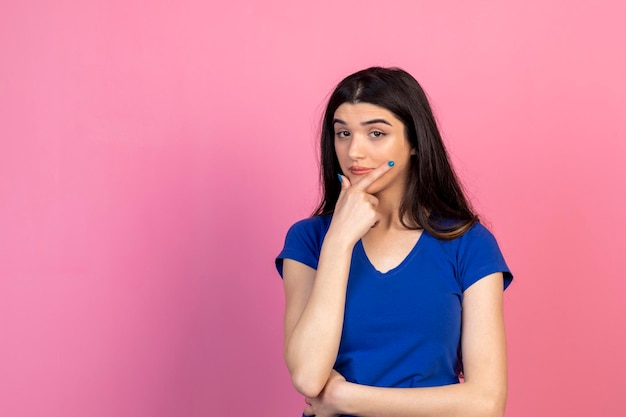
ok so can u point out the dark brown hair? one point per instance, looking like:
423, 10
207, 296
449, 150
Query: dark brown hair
434, 199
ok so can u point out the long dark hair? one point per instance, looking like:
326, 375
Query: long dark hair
434, 199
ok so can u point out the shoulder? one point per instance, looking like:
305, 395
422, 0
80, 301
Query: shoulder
304, 240
480, 242
476, 254
314, 224
311, 230
475, 237
477, 234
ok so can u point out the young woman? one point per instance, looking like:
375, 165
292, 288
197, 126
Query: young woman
393, 287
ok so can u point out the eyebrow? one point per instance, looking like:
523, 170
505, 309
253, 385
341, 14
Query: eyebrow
365, 123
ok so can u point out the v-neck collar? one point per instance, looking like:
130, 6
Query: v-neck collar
397, 268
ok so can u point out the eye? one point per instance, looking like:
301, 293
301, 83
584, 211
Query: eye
376, 134
342, 134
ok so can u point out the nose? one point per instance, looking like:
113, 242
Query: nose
355, 151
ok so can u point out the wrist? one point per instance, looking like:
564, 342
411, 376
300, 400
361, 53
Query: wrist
340, 242
345, 395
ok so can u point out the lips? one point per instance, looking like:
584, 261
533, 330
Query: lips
360, 170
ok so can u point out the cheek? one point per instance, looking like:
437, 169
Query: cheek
343, 156
394, 150
340, 151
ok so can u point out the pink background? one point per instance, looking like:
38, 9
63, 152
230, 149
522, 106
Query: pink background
154, 153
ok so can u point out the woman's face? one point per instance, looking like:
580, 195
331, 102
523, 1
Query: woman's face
367, 136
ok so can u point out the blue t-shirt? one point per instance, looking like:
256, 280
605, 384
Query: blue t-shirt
402, 328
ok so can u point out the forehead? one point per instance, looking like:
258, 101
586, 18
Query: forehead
359, 112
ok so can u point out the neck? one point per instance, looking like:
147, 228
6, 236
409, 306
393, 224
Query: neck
389, 202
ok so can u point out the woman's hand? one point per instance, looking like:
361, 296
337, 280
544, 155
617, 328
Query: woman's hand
328, 403
355, 212
315, 299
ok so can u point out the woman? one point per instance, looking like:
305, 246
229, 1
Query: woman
393, 287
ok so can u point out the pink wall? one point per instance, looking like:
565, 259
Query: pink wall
153, 155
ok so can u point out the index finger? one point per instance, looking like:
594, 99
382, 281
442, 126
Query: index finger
372, 176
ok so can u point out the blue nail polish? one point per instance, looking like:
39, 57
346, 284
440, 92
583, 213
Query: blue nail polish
391, 163
340, 179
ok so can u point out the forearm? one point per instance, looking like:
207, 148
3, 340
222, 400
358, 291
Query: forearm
457, 400
311, 350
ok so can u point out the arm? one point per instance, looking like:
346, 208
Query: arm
314, 306
483, 394
315, 300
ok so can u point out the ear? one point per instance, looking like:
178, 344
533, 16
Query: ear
413, 151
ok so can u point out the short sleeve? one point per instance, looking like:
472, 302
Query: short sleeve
303, 242
479, 255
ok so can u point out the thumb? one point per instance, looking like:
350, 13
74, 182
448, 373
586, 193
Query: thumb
345, 182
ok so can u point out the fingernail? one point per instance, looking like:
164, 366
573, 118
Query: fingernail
340, 179
391, 163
